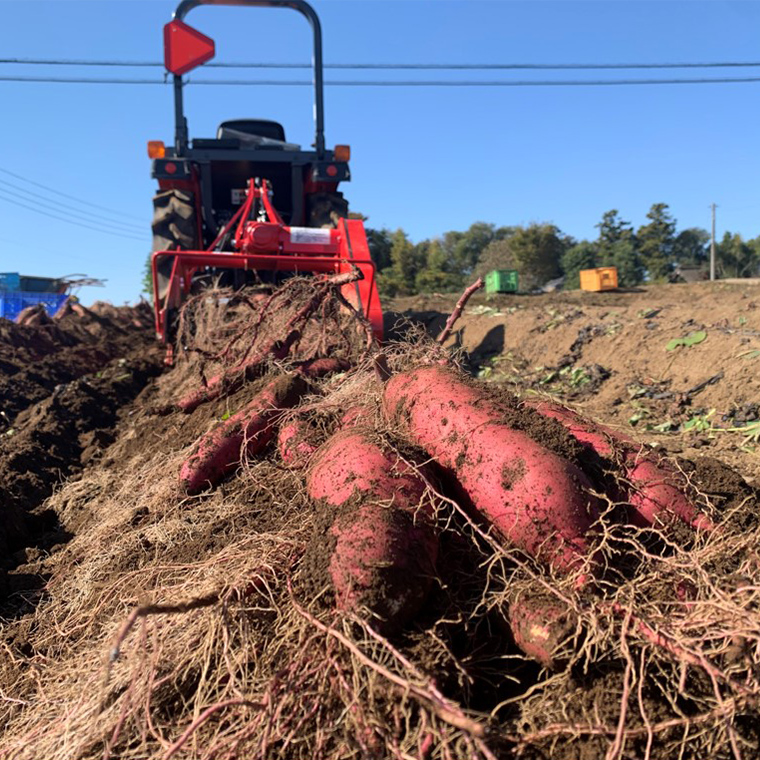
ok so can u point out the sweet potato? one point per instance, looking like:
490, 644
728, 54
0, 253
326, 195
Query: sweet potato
654, 488
385, 542
295, 442
360, 415
322, 366
541, 627
532, 497
219, 451
233, 379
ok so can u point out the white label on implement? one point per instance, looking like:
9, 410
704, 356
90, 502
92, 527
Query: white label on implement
238, 196
309, 236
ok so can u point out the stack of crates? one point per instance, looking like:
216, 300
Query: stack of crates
501, 281
9, 281
11, 304
601, 278
18, 292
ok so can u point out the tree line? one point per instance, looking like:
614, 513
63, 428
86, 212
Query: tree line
541, 252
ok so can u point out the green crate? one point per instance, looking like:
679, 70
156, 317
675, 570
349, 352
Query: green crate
501, 281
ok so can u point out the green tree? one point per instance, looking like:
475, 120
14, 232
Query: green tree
399, 277
656, 241
147, 279
612, 229
534, 251
434, 277
691, 246
754, 244
617, 246
496, 255
736, 258
380, 243
580, 256
470, 245
624, 256
464, 249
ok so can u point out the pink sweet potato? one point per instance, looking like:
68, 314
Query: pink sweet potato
356, 416
295, 442
219, 451
654, 488
323, 366
385, 541
233, 379
532, 497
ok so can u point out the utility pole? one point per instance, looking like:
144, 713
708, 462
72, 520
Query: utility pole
712, 244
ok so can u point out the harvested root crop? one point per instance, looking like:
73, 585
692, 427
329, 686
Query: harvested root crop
656, 488
531, 496
385, 540
405, 574
246, 432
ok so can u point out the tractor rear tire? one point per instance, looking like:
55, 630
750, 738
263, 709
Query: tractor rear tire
173, 220
174, 227
324, 209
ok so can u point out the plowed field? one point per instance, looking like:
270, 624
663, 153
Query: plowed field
141, 620
607, 353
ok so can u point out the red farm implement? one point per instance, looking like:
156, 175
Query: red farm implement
247, 207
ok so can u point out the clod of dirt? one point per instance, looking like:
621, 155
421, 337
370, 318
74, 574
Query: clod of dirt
59, 417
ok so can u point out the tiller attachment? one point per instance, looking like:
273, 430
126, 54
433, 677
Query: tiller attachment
256, 238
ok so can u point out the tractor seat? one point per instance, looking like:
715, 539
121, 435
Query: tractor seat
255, 132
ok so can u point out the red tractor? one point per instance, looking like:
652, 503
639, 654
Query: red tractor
247, 207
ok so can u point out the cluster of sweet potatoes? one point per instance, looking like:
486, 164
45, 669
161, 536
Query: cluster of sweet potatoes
444, 440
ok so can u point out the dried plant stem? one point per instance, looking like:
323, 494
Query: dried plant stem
158, 609
443, 708
463, 299
660, 640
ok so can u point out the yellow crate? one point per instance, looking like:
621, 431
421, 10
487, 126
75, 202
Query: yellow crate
602, 278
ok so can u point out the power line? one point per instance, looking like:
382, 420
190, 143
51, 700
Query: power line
51, 215
77, 212
390, 82
66, 195
83, 80
395, 66
477, 83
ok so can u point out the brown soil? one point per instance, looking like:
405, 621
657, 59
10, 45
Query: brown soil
35, 359
237, 647
64, 391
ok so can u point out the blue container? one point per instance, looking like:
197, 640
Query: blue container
11, 304
39, 284
10, 281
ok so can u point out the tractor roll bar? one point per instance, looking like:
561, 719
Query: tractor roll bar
297, 5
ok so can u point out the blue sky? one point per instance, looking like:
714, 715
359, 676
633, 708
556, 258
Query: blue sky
425, 159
